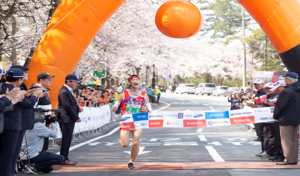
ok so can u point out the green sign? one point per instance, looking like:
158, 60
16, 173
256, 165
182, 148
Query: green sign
100, 71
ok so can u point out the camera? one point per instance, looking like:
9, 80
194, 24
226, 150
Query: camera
39, 114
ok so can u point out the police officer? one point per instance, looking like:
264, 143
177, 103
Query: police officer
27, 113
12, 122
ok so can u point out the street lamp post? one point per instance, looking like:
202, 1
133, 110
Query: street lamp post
244, 55
153, 77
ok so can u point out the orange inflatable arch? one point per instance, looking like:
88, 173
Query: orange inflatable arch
76, 22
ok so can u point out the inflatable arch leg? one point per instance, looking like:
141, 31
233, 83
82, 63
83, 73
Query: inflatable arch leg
76, 22
280, 20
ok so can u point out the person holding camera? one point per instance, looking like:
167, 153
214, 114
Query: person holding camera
69, 115
44, 81
33, 157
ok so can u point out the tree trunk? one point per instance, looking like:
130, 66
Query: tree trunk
237, 82
50, 14
29, 57
13, 56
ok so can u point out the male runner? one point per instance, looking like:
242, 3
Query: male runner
132, 101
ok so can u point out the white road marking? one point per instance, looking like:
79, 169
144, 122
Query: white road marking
214, 154
212, 110
187, 110
233, 139
211, 107
140, 151
109, 143
235, 143
255, 143
215, 143
92, 140
202, 138
163, 107
200, 130
95, 143
164, 139
205, 104
180, 143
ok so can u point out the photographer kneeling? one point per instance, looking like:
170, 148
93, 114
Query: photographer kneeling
37, 160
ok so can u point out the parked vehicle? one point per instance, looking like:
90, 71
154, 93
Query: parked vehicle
233, 90
220, 90
205, 88
185, 88
162, 89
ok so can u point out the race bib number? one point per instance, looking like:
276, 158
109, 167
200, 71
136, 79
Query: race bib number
133, 109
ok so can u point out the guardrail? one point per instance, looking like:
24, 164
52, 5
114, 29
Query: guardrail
94, 121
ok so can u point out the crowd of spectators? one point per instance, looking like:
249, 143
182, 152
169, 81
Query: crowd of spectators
279, 140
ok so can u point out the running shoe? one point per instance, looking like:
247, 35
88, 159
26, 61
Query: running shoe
130, 166
31, 168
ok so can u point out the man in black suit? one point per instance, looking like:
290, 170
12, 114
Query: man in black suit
69, 115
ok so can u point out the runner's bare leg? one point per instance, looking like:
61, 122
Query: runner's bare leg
125, 138
136, 136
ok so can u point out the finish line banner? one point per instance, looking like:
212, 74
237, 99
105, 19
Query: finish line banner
195, 119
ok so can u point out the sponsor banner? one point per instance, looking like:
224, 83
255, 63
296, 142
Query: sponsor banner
263, 115
141, 124
170, 122
198, 119
217, 115
194, 123
126, 118
242, 120
218, 122
194, 115
241, 113
127, 126
156, 115
170, 115
140, 117
156, 123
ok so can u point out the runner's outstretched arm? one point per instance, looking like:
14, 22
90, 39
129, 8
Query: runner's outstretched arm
118, 102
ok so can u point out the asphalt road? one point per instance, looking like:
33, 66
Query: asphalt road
210, 144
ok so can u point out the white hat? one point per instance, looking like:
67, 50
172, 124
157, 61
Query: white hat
269, 85
278, 84
258, 81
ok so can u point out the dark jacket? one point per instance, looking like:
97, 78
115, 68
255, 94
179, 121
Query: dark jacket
12, 119
67, 103
259, 97
5, 105
287, 108
27, 121
271, 97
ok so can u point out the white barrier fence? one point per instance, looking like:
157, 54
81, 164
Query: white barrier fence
92, 118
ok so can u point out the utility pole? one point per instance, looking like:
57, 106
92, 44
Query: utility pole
244, 55
153, 77
266, 65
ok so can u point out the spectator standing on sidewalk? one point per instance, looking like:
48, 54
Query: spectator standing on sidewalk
275, 152
287, 113
260, 128
158, 93
173, 88
150, 94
